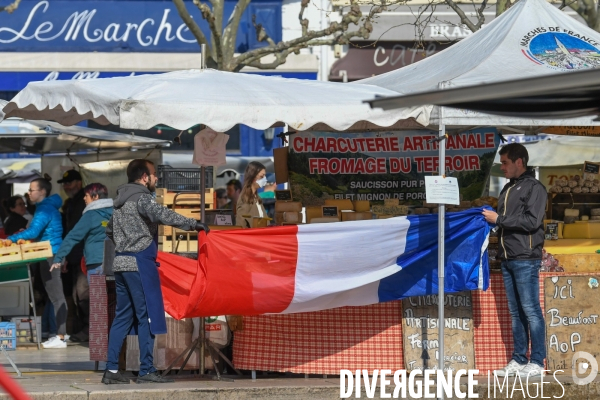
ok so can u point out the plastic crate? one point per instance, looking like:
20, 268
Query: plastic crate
183, 179
8, 344
7, 330
28, 329
8, 335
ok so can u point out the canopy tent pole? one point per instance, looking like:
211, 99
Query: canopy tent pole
441, 265
202, 333
441, 238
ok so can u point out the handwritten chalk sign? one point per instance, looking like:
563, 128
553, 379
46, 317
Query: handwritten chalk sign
420, 332
283, 195
330, 211
572, 319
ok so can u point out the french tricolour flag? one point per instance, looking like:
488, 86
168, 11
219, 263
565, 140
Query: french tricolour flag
314, 267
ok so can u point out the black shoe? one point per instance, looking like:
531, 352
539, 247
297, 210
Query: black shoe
154, 377
114, 378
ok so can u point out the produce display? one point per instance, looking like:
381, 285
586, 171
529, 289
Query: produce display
577, 184
23, 250
9, 243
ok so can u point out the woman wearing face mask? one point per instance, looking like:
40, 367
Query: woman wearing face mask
15, 220
249, 203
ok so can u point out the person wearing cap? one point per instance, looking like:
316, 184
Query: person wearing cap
72, 209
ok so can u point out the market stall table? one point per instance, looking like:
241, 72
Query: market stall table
18, 271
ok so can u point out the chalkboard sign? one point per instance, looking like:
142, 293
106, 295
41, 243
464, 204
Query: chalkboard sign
283, 195
592, 168
572, 321
420, 332
330, 211
551, 231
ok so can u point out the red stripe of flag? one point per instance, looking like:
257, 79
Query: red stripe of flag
244, 272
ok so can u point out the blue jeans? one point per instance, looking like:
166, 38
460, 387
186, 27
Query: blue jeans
131, 306
49, 320
522, 284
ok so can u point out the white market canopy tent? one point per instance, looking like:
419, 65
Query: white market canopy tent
532, 39
558, 151
45, 137
218, 99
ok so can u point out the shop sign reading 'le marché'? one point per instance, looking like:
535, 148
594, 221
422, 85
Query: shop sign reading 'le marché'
58, 25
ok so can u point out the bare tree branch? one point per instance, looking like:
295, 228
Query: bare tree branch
189, 22
217, 49
501, 6
230, 32
261, 33
480, 16
463, 17
303, 21
335, 33
11, 7
280, 58
588, 10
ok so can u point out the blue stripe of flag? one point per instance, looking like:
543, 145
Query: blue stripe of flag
467, 266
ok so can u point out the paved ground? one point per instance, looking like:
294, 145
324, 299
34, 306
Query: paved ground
68, 374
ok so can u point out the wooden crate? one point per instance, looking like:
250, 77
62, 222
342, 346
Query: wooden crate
224, 227
165, 230
185, 246
167, 198
10, 254
189, 212
36, 250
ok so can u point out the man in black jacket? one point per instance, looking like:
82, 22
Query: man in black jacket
520, 218
76, 280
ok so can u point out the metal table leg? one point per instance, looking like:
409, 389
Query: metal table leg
38, 333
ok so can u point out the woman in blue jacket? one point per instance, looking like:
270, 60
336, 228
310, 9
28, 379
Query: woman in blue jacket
91, 230
47, 225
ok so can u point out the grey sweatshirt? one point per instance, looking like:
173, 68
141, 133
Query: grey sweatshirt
135, 221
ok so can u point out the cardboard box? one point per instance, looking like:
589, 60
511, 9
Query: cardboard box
361, 205
286, 206
258, 222
356, 216
341, 204
288, 217
390, 210
313, 212
166, 347
321, 220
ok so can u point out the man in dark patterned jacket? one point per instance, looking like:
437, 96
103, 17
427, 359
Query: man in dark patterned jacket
133, 228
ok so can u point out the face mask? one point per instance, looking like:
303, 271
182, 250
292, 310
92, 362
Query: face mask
262, 182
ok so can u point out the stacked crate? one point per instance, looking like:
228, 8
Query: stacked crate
173, 240
23, 252
28, 330
8, 335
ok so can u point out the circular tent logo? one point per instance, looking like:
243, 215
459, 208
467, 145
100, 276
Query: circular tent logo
562, 51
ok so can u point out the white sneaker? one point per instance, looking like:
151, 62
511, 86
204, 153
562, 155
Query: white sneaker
532, 369
511, 369
55, 343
